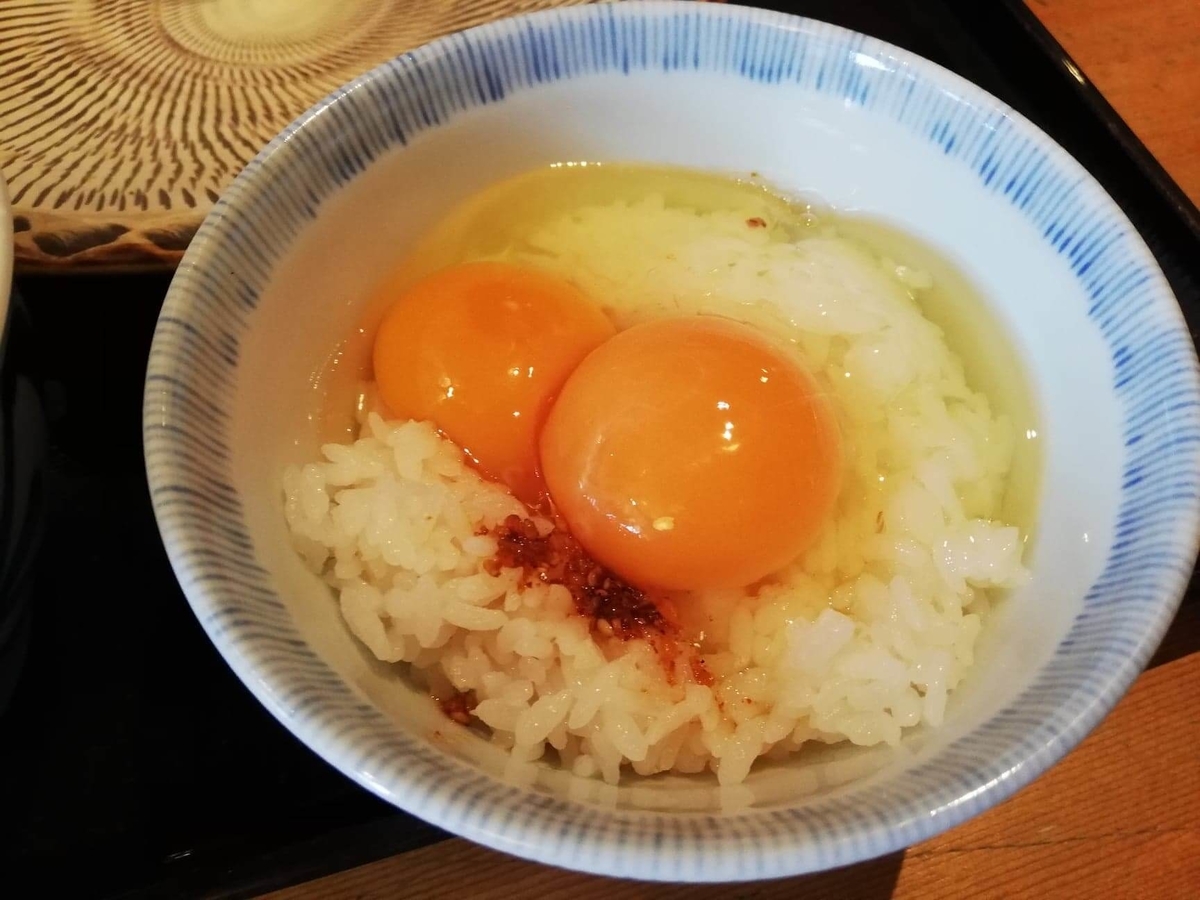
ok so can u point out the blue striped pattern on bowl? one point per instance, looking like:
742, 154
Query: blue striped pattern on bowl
212, 302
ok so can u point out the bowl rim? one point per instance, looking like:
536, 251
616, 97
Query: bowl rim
718, 848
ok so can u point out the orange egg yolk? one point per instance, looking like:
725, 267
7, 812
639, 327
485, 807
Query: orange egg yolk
481, 350
692, 453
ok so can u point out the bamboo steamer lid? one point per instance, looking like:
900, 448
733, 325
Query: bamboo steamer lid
121, 122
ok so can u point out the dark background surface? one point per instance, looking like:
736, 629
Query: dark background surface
132, 761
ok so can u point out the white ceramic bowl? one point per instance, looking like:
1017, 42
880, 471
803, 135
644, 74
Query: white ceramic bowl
278, 271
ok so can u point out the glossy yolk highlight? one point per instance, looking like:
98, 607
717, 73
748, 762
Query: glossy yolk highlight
692, 453
481, 350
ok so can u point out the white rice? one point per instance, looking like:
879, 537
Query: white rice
862, 637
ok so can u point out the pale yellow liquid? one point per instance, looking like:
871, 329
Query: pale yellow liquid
502, 217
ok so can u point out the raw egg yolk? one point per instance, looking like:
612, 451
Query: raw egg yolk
692, 453
481, 349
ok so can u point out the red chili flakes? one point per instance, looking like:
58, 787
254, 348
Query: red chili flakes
700, 673
614, 606
519, 545
459, 706
603, 597
757, 222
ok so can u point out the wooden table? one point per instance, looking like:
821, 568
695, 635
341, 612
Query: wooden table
1120, 816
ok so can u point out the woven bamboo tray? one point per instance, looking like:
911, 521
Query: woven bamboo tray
122, 121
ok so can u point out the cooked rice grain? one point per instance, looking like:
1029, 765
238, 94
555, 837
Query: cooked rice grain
862, 637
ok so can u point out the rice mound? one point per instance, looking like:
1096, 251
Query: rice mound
863, 636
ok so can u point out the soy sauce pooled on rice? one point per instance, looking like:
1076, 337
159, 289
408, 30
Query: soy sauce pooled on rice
861, 635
